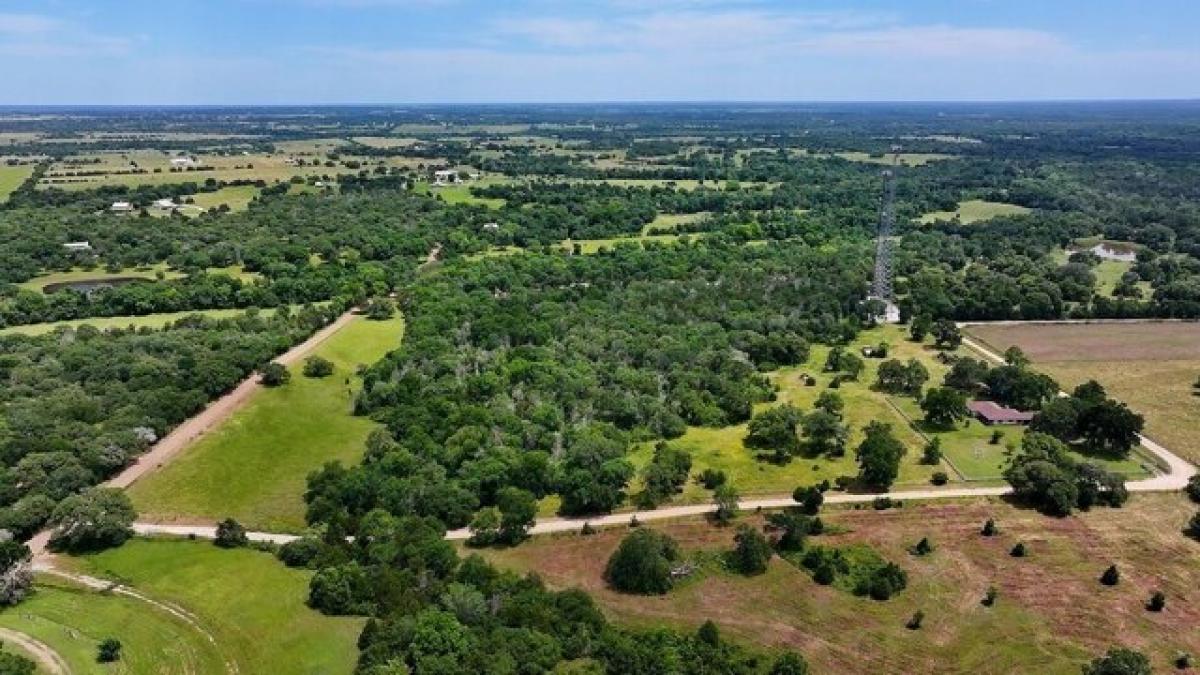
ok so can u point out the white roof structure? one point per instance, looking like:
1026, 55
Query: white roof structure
165, 203
121, 206
182, 161
77, 246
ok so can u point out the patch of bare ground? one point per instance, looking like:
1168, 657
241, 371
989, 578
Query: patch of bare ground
1052, 613
1128, 341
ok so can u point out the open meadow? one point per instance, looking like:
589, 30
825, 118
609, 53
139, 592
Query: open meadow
975, 210
1052, 614
11, 178
253, 467
1150, 366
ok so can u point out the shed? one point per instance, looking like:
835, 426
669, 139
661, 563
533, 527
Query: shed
121, 207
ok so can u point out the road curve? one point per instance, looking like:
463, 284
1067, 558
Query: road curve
49, 660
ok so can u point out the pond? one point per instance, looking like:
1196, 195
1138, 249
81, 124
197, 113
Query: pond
87, 286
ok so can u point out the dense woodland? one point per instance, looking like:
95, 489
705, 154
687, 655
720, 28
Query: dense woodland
530, 375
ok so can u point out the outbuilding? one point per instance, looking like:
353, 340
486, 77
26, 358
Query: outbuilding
992, 413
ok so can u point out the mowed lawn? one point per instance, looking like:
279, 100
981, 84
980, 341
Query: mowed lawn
251, 603
11, 178
1150, 366
253, 467
77, 275
1051, 616
975, 210
111, 322
73, 620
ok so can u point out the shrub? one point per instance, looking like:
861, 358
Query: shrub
990, 597
1193, 527
109, 651
299, 552
317, 366
1183, 660
1119, 661
923, 547
939, 478
989, 528
882, 503
275, 374
1111, 576
230, 534
809, 498
1158, 602
1019, 551
886, 582
1193, 488
380, 309
996, 437
712, 479
642, 563
789, 664
932, 453
915, 622
751, 552
587, 530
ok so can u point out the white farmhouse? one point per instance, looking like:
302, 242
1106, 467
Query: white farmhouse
446, 177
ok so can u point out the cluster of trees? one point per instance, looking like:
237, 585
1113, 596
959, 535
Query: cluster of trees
1045, 476
77, 405
1090, 417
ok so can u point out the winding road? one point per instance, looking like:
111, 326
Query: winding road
42, 653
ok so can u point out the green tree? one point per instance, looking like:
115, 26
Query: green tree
1110, 426
774, 430
1111, 576
230, 534
931, 454
518, 508
275, 374
725, 497
825, 433
751, 552
485, 527
642, 563
920, 327
318, 366
946, 334
879, 456
109, 650
831, 402
96, 519
944, 407
1119, 661
790, 664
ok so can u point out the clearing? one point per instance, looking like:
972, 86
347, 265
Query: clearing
250, 602
1150, 366
1051, 616
253, 466
110, 322
975, 210
11, 178
904, 158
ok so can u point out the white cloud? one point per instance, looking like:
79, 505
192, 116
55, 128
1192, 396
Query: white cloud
26, 24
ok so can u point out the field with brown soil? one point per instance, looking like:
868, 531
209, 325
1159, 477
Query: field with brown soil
1150, 366
1051, 616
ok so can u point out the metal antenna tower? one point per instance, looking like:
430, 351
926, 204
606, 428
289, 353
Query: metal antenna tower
881, 287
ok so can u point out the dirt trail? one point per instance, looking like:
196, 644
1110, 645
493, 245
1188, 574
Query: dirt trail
193, 428
48, 659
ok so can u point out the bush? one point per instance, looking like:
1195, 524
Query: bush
642, 563
299, 552
751, 552
316, 366
886, 582
1193, 527
990, 597
1183, 660
712, 479
230, 534
882, 503
915, 622
1111, 576
275, 375
1193, 488
809, 498
109, 651
789, 664
989, 528
380, 309
1019, 551
1158, 602
1119, 661
939, 478
923, 547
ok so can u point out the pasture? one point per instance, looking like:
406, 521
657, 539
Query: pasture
253, 467
1051, 614
975, 210
154, 321
250, 602
904, 158
152, 167
83, 275
236, 197
1150, 366
11, 178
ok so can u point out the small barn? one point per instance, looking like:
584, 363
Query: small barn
992, 413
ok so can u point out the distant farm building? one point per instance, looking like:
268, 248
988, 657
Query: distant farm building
992, 413
182, 161
165, 204
491, 227
446, 177
121, 207
78, 246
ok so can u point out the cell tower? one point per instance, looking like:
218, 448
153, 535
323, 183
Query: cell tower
881, 286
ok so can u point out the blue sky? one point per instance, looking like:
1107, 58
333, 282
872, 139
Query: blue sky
402, 51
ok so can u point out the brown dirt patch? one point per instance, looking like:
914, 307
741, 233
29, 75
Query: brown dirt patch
1098, 341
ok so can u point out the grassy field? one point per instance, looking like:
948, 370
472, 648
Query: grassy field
1150, 366
975, 210
251, 604
256, 166
73, 621
461, 194
905, 158
673, 220
236, 197
40, 283
11, 178
1051, 616
253, 467
109, 322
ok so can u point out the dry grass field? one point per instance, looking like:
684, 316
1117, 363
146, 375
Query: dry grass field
1150, 366
1052, 613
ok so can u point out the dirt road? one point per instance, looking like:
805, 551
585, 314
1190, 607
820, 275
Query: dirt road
47, 659
213, 415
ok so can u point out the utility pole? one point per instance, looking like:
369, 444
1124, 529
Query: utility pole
881, 287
